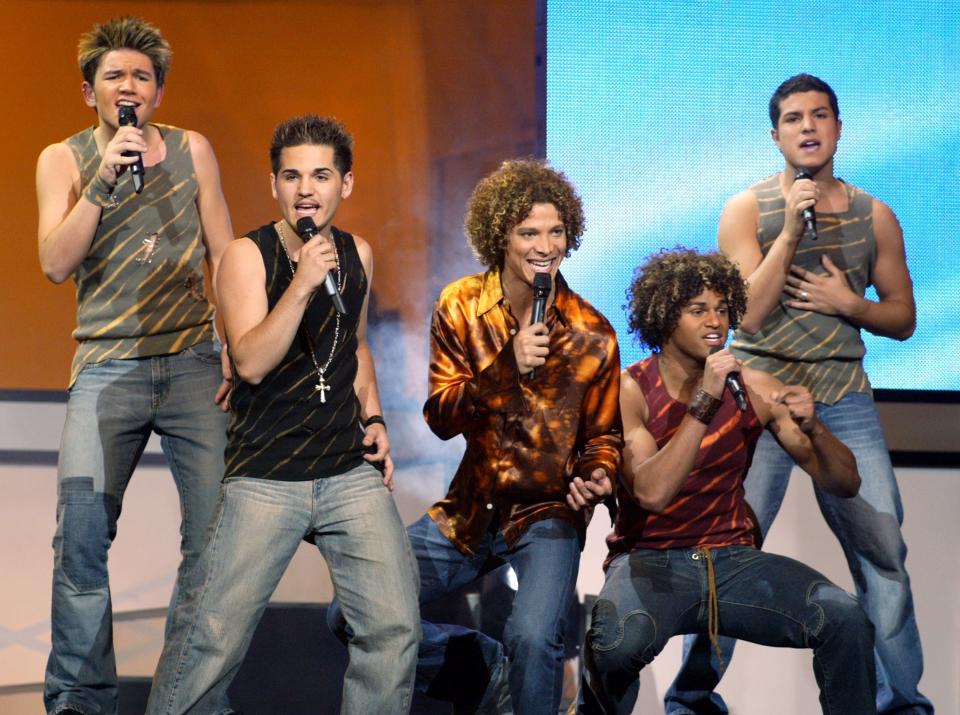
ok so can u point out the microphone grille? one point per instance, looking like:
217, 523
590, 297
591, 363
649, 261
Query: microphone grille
541, 283
306, 227
802, 173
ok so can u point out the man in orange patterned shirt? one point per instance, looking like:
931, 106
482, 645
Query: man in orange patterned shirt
537, 404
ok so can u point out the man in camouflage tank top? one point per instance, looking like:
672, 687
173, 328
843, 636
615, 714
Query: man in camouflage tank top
147, 358
806, 308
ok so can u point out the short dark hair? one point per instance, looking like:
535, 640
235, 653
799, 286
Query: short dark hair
801, 83
123, 33
670, 279
313, 129
505, 198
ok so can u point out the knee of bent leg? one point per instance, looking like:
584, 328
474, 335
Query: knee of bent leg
620, 642
839, 615
86, 526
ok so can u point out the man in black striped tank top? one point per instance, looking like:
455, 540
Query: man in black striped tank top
305, 439
806, 308
147, 359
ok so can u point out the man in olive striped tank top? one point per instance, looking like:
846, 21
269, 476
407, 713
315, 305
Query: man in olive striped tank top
130, 210
806, 307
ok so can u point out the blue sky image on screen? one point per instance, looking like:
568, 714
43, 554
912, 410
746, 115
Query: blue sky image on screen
658, 112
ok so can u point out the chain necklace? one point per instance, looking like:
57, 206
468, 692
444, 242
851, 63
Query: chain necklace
322, 387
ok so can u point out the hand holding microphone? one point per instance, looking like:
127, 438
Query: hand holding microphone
531, 344
307, 230
128, 118
809, 215
733, 382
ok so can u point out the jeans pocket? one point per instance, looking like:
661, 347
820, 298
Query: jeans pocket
204, 352
743, 554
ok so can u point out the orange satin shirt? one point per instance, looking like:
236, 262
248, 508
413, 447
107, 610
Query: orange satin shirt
526, 438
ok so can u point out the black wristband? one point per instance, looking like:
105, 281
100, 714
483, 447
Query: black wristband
374, 420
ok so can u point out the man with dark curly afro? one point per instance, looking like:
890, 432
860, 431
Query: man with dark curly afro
682, 556
536, 400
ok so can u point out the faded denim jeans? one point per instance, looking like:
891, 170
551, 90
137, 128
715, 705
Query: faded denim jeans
112, 409
651, 595
353, 520
868, 529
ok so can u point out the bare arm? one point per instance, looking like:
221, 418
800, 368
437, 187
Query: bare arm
67, 219
654, 476
894, 315
212, 206
737, 239
216, 229
258, 337
788, 412
365, 382
650, 476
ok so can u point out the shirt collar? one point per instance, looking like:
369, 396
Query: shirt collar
492, 294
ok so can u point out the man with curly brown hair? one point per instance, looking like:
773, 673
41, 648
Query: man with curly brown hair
537, 404
682, 555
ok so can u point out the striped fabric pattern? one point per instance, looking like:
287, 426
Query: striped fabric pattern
140, 290
280, 429
709, 510
824, 353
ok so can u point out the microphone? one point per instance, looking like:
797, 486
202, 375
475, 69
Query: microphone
307, 230
734, 384
809, 215
128, 118
541, 290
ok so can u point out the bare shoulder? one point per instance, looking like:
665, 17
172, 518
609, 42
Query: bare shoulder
632, 400
200, 148
737, 229
365, 251
241, 252
57, 159
742, 203
886, 227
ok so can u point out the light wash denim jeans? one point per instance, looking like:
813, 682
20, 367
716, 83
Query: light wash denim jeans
868, 529
457, 663
353, 520
112, 409
651, 595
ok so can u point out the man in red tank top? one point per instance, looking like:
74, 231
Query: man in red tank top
682, 558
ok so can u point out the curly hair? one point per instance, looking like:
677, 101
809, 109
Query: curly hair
670, 279
123, 33
505, 198
319, 131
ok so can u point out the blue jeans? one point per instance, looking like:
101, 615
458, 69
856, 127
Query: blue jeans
353, 520
112, 409
651, 595
868, 529
453, 659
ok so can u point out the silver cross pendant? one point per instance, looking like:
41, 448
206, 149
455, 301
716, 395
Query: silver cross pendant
322, 387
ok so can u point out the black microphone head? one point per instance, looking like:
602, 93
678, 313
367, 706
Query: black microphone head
127, 116
541, 285
306, 228
802, 173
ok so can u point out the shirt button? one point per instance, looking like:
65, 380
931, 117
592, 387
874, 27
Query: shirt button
513, 331
490, 507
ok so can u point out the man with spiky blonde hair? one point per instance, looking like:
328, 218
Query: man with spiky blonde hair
147, 358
